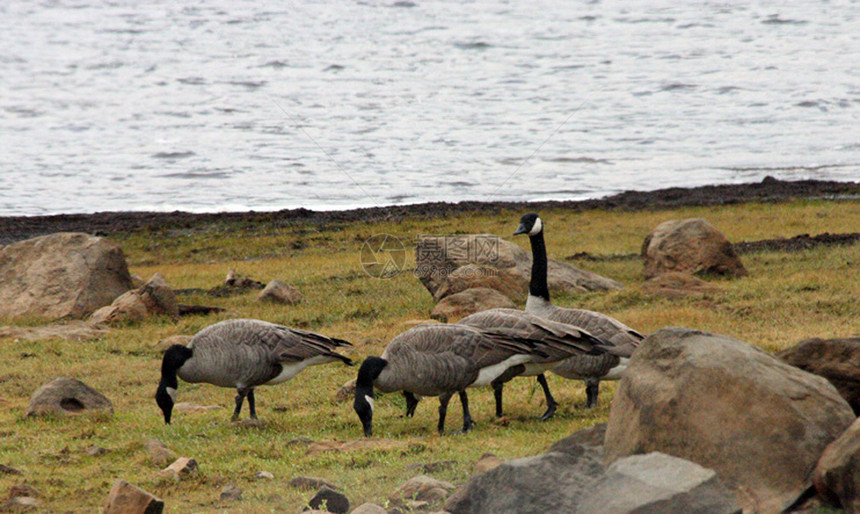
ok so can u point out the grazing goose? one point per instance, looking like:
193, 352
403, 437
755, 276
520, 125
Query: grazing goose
243, 353
591, 369
439, 360
560, 341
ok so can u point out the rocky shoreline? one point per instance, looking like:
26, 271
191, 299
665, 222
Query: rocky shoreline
16, 228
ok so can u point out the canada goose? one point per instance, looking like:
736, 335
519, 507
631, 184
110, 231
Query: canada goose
243, 353
577, 342
439, 360
591, 369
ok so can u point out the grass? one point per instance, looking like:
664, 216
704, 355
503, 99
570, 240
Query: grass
786, 298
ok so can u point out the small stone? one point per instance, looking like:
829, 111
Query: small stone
231, 492
311, 483
125, 498
280, 292
183, 467
330, 500
487, 462
95, 451
369, 508
346, 391
425, 488
263, 475
431, 467
21, 504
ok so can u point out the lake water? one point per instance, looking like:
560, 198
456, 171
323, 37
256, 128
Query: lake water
221, 105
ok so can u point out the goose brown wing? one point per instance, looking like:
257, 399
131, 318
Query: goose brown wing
285, 344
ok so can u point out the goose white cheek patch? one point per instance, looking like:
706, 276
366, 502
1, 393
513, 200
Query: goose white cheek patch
172, 392
369, 401
538, 226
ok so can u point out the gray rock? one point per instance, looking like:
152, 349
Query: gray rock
726, 405
657, 483
24, 490
63, 396
152, 299
231, 492
522, 485
431, 467
125, 498
264, 475
64, 275
488, 461
159, 454
329, 500
425, 489
95, 451
368, 508
183, 467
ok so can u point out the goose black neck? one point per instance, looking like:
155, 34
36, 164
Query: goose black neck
174, 358
369, 370
538, 283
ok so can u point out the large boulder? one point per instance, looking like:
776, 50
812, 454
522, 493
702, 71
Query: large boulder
67, 396
64, 275
470, 301
837, 360
438, 258
657, 483
837, 475
155, 297
692, 246
522, 485
726, 405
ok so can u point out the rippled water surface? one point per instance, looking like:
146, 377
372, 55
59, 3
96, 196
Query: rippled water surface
221, 105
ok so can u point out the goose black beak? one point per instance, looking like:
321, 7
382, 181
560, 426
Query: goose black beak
520, 230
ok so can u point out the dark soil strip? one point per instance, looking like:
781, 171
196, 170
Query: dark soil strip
15, 228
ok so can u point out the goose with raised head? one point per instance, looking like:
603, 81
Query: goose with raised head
591, 369
439, 360
243, 354
559, 341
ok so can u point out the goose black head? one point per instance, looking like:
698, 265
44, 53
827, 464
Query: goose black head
165, 395
529, 224
164, 398
363, 402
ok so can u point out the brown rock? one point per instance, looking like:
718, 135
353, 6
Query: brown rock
24, 490
431, 467
9, 470
21, 504
234, 280
470, 301
837, 474
64, 275
438, 257
67, 396
95, 451
425, 488
369, 508
675, 285
264, 475
71, 331
837, 360
125, 498
355, 444
691, 245
507, 281
487, 462
183, 467
723, 404
280, 292
592, 436
159, 453
154, 298
311, 483
346, 391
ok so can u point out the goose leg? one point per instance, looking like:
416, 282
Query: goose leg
592, 388
467, 418
241, 393
443, 410
497, 394
551, 404
411, 403
252, 404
